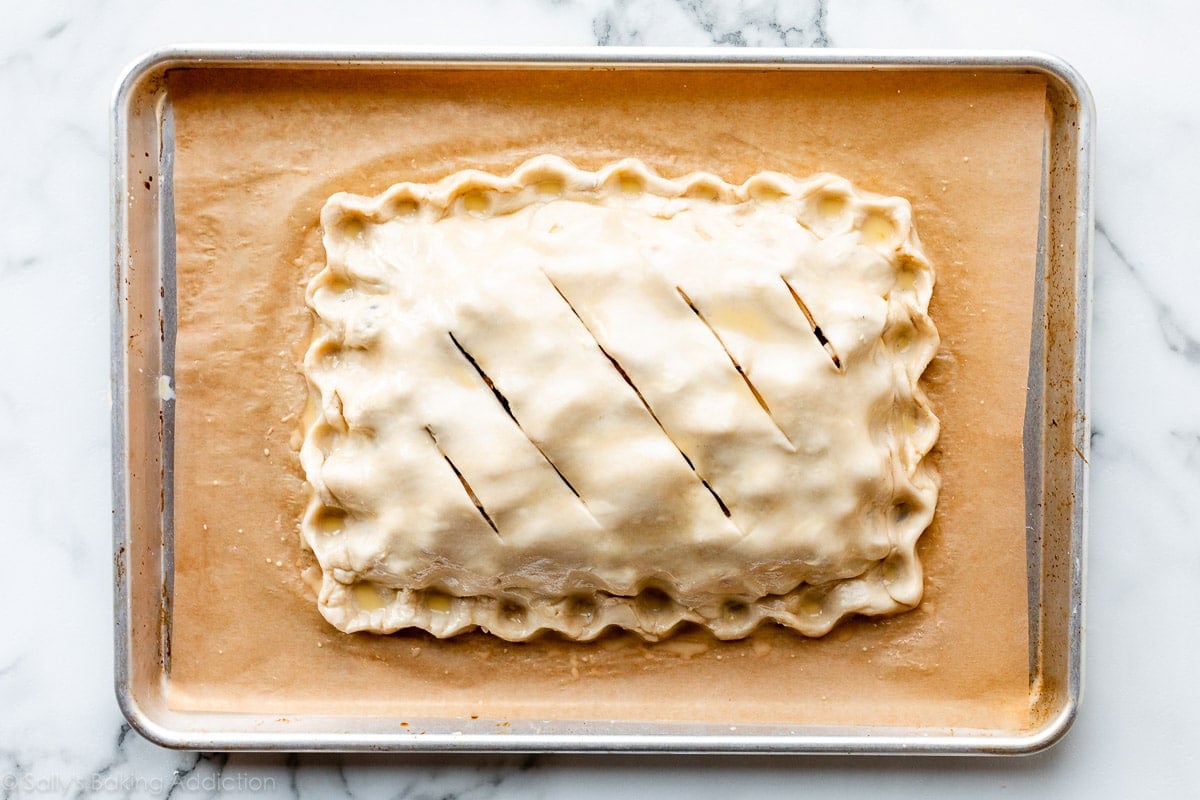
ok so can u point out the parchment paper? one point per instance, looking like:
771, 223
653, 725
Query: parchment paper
257, 154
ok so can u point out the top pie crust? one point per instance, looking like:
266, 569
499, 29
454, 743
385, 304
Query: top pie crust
568, 400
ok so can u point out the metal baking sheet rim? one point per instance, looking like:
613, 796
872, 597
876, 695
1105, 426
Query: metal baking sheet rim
141, 575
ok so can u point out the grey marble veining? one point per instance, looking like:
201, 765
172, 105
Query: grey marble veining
60, 731
1174, 329
703, 22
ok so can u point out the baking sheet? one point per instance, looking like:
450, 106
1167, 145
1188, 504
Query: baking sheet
245, 635
965, 148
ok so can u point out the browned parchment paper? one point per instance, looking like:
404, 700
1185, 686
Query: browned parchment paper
257, 154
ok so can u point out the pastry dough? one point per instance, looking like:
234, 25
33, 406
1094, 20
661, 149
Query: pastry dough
568, 400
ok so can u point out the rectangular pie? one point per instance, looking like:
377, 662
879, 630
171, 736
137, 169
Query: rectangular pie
566, 401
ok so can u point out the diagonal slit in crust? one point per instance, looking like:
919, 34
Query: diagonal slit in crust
713, 492
466, 486
503, 401
479, 370
812, 323
625, 376
738, 367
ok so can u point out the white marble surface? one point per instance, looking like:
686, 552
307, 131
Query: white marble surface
60, 730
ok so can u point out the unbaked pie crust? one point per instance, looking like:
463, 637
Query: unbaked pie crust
568, 400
